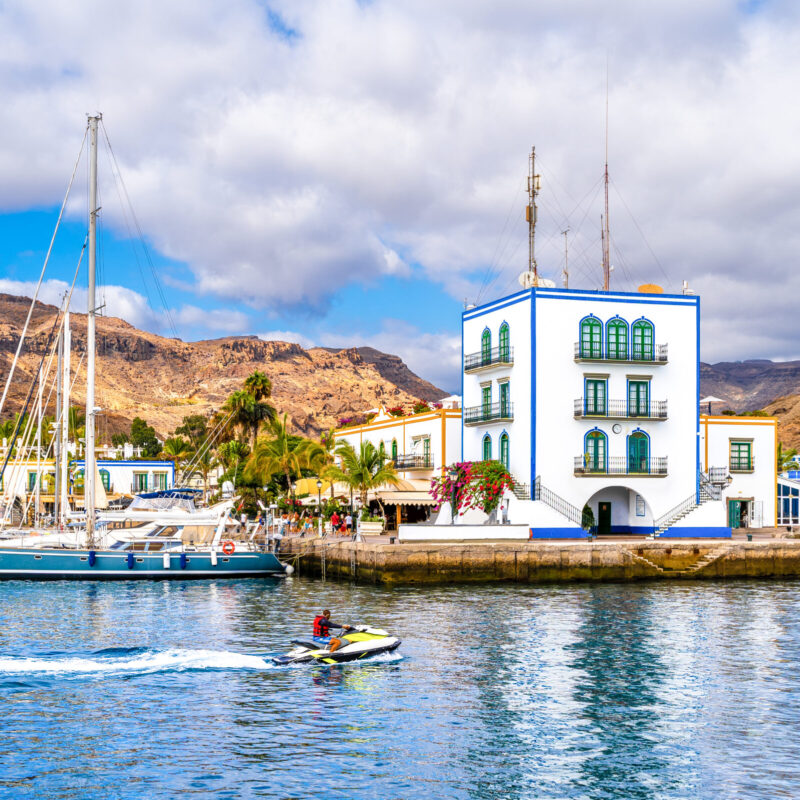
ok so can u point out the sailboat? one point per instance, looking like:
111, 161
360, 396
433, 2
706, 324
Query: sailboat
170, 538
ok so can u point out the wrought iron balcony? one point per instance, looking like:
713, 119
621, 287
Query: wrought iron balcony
413, 461
494, 412
654, 354
743, 464
473, 362
620, 409
586, 466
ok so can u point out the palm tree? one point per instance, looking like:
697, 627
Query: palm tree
77, 423
786, 458
240, 404
178, 450
283, 454
364, 470
259, 386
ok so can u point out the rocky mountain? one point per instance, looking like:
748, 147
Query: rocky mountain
163, 380
758, 384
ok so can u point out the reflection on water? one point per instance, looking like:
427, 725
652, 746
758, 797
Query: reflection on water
657, 691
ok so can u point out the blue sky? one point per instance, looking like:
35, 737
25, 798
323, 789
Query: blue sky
348, 173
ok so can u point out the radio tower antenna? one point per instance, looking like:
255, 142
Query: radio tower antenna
565, 272
531, 214
605, 234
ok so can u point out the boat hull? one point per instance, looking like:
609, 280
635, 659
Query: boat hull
58, 565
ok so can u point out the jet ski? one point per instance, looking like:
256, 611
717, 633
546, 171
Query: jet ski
358, 643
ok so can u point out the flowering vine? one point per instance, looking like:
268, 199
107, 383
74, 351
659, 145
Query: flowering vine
472, 484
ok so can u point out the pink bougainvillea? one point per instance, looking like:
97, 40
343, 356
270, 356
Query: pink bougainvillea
476, 484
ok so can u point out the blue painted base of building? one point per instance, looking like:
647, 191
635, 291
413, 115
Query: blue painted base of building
696, 533
558, 533
632, 530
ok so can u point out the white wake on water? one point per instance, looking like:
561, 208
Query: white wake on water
161, 661
149, 661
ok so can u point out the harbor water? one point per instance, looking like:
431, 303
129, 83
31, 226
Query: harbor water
661, 690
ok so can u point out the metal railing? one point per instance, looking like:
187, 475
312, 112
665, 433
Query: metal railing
591, 407
718, 476
413, 461
474, 415
674, 514
621, 466
654, 354
558, 503
742, 464
486, 358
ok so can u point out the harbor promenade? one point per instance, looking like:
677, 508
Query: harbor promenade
379, 560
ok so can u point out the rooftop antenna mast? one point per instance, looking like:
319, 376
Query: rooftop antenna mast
565, 271
605, 235
531, 214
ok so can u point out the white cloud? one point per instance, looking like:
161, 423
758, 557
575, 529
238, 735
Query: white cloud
436, 357
119, 301
286, 336
386, 135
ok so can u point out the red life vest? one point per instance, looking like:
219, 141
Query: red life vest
320, 625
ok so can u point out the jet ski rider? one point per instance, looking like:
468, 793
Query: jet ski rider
322, 630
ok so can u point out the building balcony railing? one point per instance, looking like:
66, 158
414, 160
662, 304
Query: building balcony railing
588, 467
490, 412
654, 354
743, 464
473, 362
620, 409
413, 461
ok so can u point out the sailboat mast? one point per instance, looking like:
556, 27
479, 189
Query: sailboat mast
89, 461
65, 382
57, 429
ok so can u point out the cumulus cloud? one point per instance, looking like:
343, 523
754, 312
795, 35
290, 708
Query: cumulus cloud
433, 356
283, 152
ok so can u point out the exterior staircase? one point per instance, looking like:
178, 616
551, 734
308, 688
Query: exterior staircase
708, 492
557, 503
521, 490
701, 563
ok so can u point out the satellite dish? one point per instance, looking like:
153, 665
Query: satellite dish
529, 280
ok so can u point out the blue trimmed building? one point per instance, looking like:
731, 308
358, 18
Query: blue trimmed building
590, 398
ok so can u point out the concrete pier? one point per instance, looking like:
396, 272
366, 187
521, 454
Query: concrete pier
540, 562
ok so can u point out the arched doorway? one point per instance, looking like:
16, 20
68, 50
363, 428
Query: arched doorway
620, 511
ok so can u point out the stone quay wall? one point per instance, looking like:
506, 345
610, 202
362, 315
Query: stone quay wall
539, 562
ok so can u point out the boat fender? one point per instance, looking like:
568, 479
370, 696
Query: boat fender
228, 547
213, 558
165, 560
287, 568
130, 560
92, 558
184, 560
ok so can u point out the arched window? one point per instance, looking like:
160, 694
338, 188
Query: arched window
505, 343
596, 449
105, 477
642, 335
638, 452
487, 448
394, 449
591, 338
504, 451
617, 339
486, 346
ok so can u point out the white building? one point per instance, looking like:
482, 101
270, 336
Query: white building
591, 399
128, 477
743, 451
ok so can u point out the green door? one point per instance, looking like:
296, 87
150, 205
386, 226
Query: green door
603, 518
735, 513
504, 404
426, 452
638, 460
595, 398
486, 401
596, 452
638, 398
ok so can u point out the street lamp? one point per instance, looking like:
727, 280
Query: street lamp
453, 472
319, 507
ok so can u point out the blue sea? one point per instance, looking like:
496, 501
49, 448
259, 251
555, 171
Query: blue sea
150, 690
